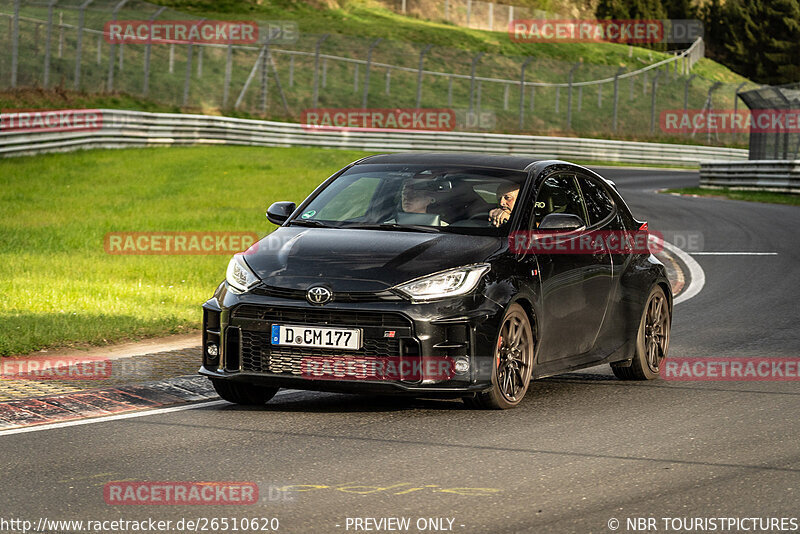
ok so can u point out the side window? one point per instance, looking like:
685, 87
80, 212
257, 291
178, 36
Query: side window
558, 194
599, 204
351, 202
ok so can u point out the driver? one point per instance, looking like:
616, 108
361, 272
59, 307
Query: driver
506, 197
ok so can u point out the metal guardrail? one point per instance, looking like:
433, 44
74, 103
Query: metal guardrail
121, 129
762, 175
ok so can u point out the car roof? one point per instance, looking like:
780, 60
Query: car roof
516, 163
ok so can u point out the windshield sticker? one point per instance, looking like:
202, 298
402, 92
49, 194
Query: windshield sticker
308, 214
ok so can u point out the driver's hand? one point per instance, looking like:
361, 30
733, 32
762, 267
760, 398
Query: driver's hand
499, 216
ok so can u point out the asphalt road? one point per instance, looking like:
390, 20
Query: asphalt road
582, 449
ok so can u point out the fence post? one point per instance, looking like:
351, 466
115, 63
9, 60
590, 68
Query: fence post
558, 98
469, 11
60, 34
111, 58
686, 92
480, 91
533, 97
505, 96
599, 95
79, 43
200, 61
653, 102
491, 16
15, 44
99, 49
616, 94
265, 78
446, 9
172, 58
510, 15
569, 94
710, 106
388, 79
522, 91
419, 73
324, 73
291, 71
315, 92
48, 44
450, 91
736, 105
355, 77
188, 77
226, 89
372, 46
580, 98
147, 51
475, 60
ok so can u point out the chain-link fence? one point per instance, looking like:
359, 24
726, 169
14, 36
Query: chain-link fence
775, 137
65, 43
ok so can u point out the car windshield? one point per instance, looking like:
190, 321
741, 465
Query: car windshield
470, 200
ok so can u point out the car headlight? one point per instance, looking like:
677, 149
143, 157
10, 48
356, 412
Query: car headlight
450, 283
239, 275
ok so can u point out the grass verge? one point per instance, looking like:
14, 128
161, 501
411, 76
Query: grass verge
59, 286
751, 196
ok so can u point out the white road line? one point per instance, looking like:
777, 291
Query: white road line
117, 417
697, 277
734, 253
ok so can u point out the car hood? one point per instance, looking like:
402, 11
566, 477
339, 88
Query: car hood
360, 260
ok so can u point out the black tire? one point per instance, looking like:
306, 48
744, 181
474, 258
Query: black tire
513, 363
243, 393
652, 339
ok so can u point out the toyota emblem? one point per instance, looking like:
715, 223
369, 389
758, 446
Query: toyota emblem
319, 295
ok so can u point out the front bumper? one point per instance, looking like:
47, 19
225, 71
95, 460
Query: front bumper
397, 335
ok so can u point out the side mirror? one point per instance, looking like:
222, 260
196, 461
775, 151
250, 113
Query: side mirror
280, 211
561, 222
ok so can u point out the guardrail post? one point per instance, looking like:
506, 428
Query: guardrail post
653, 102
475, 60
372, 46
79, 43
111, 58
419, 73
147, 51
315, 94
48, 43
569, 94
616, 95
522, 91
15, 44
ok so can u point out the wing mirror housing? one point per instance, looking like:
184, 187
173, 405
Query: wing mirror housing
280, 211
561, 222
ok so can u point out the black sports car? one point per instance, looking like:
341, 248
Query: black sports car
440, 275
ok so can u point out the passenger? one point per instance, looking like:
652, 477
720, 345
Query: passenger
506, 197
415, 200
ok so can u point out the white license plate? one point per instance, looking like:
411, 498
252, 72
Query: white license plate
311, 336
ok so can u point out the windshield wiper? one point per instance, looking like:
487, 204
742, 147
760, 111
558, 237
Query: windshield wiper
309, 223
398, 227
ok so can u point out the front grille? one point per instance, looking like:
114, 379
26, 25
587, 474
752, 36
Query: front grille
259, 356
311, 316
339, 296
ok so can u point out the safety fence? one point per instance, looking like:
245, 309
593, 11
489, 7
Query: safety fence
67, 44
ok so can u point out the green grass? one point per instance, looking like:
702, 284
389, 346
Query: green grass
792, 199
58, 285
